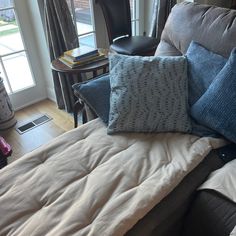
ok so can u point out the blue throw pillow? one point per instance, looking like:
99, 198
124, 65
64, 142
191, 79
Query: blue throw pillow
217, 106
96, 94
148, 94
203, 67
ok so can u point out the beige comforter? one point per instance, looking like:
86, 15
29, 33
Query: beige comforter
88, 183
223, 181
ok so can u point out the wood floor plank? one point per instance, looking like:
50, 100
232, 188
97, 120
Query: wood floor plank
28, 141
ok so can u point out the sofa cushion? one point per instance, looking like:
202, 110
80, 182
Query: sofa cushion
148, 94
217, 106
210, 26
166, 49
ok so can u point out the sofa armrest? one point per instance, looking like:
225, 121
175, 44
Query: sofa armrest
210, 214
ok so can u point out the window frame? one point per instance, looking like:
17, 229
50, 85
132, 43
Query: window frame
24, 50
72, 6
135, 19
136, 13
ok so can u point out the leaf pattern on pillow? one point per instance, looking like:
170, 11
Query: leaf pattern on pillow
148, 94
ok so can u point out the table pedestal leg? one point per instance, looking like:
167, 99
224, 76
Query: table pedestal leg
78, 106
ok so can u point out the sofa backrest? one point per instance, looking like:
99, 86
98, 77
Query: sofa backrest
211, 26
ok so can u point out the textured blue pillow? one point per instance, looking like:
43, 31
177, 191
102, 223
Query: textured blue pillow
217, 106
96, 94
148, 94
203, 67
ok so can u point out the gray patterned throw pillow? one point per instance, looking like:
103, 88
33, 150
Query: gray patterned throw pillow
148, 94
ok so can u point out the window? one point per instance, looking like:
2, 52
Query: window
82, 14
14, 66
134, 8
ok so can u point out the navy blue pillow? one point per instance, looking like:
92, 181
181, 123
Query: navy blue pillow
217, 106
96, 94
203, 67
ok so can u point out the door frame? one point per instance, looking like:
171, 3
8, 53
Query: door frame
37, 92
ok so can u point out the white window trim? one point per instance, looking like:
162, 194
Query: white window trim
13, 7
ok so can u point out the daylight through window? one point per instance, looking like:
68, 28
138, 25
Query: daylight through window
14, 66
82, 14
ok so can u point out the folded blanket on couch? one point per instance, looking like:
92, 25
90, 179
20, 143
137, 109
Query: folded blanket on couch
223, 181
233, 233
86, 182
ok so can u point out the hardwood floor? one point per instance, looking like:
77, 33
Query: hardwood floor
28, 141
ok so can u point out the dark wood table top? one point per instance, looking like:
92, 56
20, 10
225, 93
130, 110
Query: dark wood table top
58, 66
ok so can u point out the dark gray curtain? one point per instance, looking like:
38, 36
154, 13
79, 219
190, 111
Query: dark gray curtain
161, 11
61, 36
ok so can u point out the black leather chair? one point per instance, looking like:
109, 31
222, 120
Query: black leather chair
118, 21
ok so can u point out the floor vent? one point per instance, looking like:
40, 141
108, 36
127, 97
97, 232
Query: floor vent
33, 124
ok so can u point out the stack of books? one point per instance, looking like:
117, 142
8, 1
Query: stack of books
81, 56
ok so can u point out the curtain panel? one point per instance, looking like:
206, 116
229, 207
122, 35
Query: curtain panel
161, 11
61, 36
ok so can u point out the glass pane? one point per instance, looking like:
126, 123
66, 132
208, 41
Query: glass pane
88, 39
132, 8
83, 16
2, 75
135, 28
10, 38
18, 71
6, 3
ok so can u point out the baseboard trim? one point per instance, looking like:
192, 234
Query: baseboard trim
50, 95
30, 103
